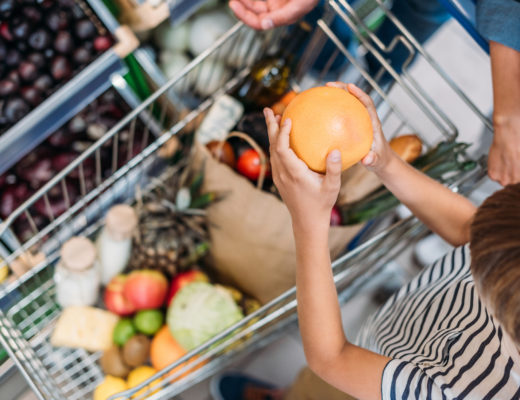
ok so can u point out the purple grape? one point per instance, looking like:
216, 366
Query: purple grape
57, 20
82, 56
77, 124
43, 83
28, 71
60, 68
7, 87
31, 95
3, 50
13, 76
63, 42
37, 59
32, 13
85, 29
13, 58
49, 53
6, 8
15, 109
22, 30
40, 39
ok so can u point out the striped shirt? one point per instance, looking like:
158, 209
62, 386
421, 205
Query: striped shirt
443, 342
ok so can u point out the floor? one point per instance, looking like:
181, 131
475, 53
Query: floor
469, 67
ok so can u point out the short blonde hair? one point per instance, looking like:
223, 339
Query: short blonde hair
495, 256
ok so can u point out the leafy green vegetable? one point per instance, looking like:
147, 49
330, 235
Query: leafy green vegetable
200, 311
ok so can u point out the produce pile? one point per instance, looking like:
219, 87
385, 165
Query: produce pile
43, 44
164, 303
58, 151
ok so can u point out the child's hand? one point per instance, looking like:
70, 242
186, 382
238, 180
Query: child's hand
381, 153
309, 196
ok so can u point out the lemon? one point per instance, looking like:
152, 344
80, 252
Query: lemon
140, 374
111, 385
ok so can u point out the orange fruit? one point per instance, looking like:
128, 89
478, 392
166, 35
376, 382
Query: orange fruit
328, 118
164, 349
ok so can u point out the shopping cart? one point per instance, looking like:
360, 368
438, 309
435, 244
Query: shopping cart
29, 311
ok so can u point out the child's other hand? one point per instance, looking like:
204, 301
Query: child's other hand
381, 153
309, 196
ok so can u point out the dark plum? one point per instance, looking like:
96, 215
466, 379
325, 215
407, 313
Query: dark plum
36, 167
43, 83
13, 58
57, 20
22, 30
28, 71
12, 197
63, 42
37, 59
15, 109
40, 39
60, 68
85, 29
7, 87
31, 95
82, 56
60, 138
22, 46
5, 31
102, 43
33, 14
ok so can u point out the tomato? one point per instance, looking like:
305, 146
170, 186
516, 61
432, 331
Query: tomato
249, 164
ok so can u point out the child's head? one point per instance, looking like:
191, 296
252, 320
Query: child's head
495, 257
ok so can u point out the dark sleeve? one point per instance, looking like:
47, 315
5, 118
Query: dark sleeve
499, 20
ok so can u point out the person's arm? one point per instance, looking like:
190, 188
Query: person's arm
446, 213
267, 14
310, 197
504, 153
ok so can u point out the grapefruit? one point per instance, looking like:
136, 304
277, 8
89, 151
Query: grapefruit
328, 118
164, 349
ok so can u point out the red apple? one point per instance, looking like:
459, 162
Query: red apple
146, 289
182, 280
115, 300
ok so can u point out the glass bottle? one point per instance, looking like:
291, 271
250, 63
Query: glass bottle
77, 273
269, 78
115, 241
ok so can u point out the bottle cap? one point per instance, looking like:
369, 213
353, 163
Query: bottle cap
121, 222
78, 253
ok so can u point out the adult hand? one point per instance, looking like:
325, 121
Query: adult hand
309, 196
504, 153
262, 15
381, 153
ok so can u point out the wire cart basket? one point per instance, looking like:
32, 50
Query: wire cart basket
29, 310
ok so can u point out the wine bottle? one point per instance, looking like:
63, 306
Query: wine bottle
270, 77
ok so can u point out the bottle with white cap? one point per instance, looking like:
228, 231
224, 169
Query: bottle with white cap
77, 273
115, 241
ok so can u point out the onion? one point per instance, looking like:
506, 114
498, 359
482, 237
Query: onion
207, 28
173, 63
211, 76
173, 38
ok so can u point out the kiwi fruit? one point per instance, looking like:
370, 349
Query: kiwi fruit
112, 363
136, 350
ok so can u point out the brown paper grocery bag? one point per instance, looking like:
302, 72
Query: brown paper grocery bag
252, 244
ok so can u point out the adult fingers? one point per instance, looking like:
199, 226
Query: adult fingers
244, 14
367, 102
332, 178
255, 5
284, 15
272, 126
370, 159
282, 142
339, 85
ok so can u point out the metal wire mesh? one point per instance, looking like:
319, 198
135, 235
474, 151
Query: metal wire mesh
27, 320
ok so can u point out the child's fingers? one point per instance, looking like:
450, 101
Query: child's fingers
370, 159
339, 85
367, 102
272, 125
332, 178
282, 142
